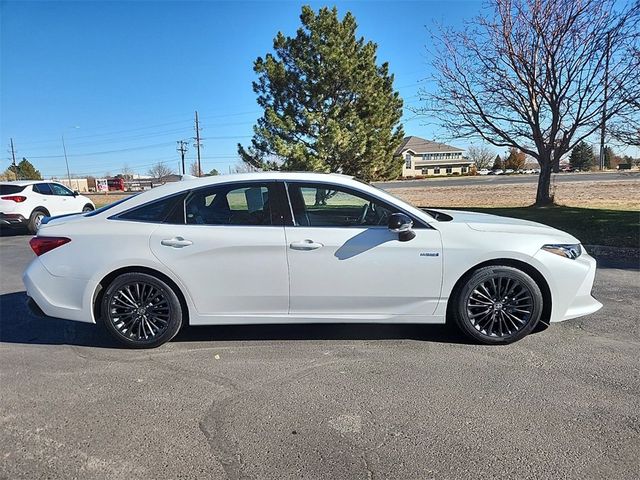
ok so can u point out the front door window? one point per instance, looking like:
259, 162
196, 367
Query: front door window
331, 206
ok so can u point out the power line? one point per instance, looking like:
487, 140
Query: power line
109, 151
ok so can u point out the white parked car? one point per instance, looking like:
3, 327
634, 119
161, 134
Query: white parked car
302, 248
24, 203
483, 171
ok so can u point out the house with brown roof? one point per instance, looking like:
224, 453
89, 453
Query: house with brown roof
424, 157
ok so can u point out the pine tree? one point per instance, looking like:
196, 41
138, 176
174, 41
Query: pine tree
328, 106
497, 163
582, 156
25, 170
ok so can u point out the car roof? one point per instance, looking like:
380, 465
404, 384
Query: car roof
188, 183
23, 183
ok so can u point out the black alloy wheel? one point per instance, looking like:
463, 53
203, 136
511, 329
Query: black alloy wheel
141, 311
498, 304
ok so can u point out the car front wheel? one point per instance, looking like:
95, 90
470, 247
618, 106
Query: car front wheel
498, 305
141, 311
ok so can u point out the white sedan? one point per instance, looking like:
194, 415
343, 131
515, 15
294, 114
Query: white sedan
302, 248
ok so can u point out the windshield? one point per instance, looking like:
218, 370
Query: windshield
109, 206
428, 212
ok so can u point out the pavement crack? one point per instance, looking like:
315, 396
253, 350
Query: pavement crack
367, 467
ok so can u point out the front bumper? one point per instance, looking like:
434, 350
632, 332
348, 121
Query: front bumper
12, 220
571, 282
59, 297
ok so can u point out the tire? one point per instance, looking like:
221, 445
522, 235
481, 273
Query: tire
87, 208
35, 220
127, 314
497, 305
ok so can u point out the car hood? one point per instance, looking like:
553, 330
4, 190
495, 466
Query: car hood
484, 222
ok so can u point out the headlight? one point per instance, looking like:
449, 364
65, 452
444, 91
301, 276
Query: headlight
568, 251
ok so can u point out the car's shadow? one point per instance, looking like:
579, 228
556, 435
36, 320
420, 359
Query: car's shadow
19, 325
14, 232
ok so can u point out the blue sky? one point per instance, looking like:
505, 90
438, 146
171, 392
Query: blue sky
121, 80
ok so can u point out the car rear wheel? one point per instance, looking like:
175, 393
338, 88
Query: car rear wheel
35, 220
141, 311
498, 305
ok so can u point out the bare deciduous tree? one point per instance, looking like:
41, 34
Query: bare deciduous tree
126, 171
482, 156
160, 170
627, 128
531, 75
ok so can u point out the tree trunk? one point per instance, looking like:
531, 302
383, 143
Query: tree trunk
543, 196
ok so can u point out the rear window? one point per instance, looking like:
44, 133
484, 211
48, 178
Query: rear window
11, 189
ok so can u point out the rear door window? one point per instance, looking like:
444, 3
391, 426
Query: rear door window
234, 204
42, 189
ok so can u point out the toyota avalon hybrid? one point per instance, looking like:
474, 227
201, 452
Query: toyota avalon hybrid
301, 248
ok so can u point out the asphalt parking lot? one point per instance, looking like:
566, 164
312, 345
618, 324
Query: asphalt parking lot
316, 402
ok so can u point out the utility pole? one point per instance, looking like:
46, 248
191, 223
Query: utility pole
13, 156
197, 144
64, 148
604, 101
182, 149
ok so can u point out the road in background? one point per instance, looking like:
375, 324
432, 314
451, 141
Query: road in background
511, 179
319, 401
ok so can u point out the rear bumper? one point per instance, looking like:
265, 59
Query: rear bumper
59, 297
12, 220
34, 308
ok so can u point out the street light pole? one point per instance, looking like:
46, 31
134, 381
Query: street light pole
64, 148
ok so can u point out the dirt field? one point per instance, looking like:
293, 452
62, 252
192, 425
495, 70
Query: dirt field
101, 199
623, 195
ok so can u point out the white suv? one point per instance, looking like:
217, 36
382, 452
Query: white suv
24, 203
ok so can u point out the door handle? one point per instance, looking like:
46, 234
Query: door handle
176, 242
306, 245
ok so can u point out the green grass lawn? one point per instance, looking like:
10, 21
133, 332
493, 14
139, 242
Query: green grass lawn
619, 228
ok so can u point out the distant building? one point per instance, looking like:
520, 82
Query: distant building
424, 157
77, 184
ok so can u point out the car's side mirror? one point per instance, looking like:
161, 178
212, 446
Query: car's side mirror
402, 225
76, 193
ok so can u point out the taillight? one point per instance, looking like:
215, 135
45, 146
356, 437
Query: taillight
42, 245
15, 198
